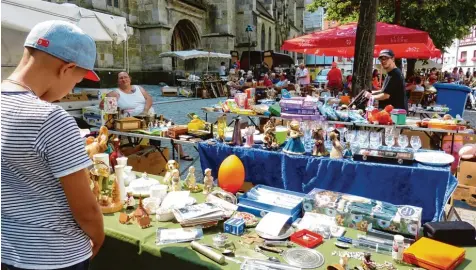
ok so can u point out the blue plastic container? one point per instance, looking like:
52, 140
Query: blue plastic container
452, 95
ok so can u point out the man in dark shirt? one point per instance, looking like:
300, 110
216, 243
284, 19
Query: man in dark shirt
393, 88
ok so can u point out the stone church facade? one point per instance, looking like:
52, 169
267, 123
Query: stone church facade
216, 25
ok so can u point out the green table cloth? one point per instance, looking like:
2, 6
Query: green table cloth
130, 247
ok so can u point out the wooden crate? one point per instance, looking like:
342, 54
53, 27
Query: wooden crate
169, 91
465, 193
176, 131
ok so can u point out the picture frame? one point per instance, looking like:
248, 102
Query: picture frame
452, 215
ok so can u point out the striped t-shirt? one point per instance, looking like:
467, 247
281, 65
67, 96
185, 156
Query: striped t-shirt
40, 143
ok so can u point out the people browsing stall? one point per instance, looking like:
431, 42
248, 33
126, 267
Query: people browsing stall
304, 76
222, 69
334, 79
132, 99
393, 88
50, 217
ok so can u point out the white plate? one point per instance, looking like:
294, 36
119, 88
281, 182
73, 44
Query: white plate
434, 158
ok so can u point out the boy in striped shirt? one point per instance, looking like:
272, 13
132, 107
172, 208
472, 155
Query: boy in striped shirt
50, 218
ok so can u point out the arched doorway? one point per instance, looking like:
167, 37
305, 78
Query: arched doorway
263, 38
184, 37
269, 40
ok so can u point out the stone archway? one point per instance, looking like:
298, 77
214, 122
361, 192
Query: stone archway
185, 36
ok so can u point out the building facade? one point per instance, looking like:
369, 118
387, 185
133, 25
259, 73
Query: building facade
462, 53
215, 25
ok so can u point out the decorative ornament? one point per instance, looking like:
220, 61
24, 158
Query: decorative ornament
231, 174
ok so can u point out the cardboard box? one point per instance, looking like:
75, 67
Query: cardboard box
467, 173
362, 214
235, 226
147, 159
94, 116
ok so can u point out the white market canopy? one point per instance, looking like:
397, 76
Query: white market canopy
23, 15
192, 54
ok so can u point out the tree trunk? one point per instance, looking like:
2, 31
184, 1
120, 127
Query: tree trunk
410, 67
364, 46
397, 20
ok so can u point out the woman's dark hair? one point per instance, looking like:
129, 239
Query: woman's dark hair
375, 73
418, 80
223, 63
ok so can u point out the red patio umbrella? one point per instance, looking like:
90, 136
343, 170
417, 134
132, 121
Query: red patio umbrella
340, 41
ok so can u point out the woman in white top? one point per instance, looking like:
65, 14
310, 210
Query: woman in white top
419, 85
133, 99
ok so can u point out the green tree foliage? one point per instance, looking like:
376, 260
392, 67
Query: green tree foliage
444, 20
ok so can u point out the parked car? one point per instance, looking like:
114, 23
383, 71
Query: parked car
321, 78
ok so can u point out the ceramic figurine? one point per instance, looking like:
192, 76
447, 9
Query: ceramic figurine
115, 154
169, 167
367, 263
236, 138
294, 144
319, 148
190, 181
208, 182
176, 185
130, 201
347, 151
270, 141
337, 148
249, 132
141, 216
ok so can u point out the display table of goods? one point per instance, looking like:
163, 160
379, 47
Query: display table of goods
128, 246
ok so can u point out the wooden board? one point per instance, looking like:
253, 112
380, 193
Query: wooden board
215, 95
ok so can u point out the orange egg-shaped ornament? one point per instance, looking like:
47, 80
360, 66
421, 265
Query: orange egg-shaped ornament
231, 174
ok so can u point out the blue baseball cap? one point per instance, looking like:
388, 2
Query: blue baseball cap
65, 41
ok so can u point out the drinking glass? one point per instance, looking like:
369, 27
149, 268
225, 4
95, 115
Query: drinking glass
389, 140
374, 140
403, 141
415, 142
350, 136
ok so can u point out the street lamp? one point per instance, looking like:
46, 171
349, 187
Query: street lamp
248, 30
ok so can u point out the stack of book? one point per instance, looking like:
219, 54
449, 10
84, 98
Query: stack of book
205, 214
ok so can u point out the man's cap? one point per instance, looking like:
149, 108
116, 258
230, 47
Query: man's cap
65, 41
386, 52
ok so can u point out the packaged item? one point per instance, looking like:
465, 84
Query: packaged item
234, 226
361, 213
433, 255
169, 236
459, 233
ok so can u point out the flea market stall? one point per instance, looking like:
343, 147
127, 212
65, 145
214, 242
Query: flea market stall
318, 180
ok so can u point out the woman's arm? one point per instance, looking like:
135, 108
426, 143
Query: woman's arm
148, 100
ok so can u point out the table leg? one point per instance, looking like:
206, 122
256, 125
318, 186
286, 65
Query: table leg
452, 142
206, 117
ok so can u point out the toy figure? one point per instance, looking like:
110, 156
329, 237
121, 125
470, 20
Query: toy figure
319, 148
208, 181
236, 138
169, 167
337, 148
190, 181
367, 263
176, 185
294, 144
141, 216
270, 141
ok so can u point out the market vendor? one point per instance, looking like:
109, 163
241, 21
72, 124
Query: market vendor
283, 82
133, 99
267, 81
393, 88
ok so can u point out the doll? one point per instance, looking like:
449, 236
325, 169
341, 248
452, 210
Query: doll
337, 148
190, 181
99, 144
176, 186
294, 144
347, 151
208, 182
319, 148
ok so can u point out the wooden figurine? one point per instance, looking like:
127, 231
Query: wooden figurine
124, 218
169, 167
367, 262
319, 147
208, 181
190, 181
99, 144
141, 216
176, 185
337, 148
270, 141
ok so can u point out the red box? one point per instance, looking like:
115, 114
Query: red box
306, 238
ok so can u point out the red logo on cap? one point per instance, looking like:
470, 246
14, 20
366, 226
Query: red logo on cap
43, 42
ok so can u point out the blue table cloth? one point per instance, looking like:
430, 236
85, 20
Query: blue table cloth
424, 186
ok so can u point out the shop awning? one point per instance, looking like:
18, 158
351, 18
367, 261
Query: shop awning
192, 54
